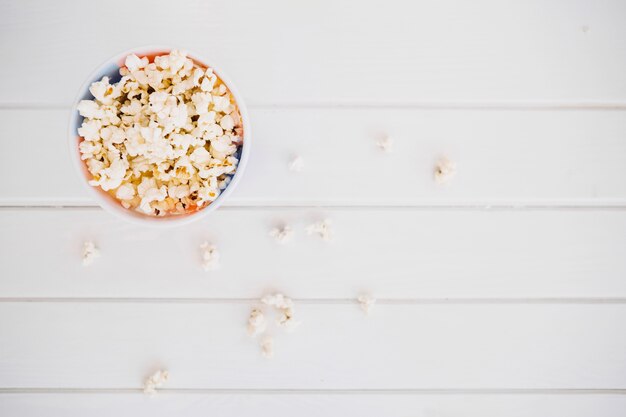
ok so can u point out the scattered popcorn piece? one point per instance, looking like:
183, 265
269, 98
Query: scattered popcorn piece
155, 381
282, 234
385, 144
256, 322
210, 257
296, 164
444, 171
321, 228
267, 347
366, 302
90, 253
277, 300
286, 319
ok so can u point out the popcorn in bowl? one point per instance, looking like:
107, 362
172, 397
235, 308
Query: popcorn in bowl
164, 140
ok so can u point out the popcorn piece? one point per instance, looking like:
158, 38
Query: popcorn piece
385, 144
366, 302
133, 62
277, 300
90, 130
125, 192
178, 191
132, 109
207, 194
222, 146
155, 381
202, 102
210, 257
296, 164
200, 156
104, 92
112, 135
267, 347
152, 195
256, 322
321, 228
159, 100
90, 109
90, 253
282, 234
149, 193
212, 131
208, 82
227, 122
221, 104
88, 150
286, 319
444, 171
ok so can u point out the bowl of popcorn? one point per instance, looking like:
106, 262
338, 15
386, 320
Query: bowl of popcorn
159, 137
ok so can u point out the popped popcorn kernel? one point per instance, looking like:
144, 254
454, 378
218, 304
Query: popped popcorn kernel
282, 234
256, 322
385, 144
89, 109
155, 381
125, 192
366, 302
277, 300
286, 319
227, 123
445, 170
90, 253
267, 347
164, 140
321, 228
210, 257
296, 164
133, 62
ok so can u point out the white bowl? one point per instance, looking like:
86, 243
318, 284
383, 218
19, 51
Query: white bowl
111, 69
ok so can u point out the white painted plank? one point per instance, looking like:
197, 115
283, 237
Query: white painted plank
284, 52
392, 253
339, 405
102, 345
503, 157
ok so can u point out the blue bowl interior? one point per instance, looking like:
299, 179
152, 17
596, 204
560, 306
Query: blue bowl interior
113, 72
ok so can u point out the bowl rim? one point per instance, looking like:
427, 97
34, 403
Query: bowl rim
106, 202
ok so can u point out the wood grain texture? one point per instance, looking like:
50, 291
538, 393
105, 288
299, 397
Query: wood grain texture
392, 253
503, 157
337, 347
280, 51
277, 405
512, 311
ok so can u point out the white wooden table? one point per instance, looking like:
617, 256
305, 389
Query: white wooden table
503, 294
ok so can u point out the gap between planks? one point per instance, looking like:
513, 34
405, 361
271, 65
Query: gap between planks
320, 301
418, 391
